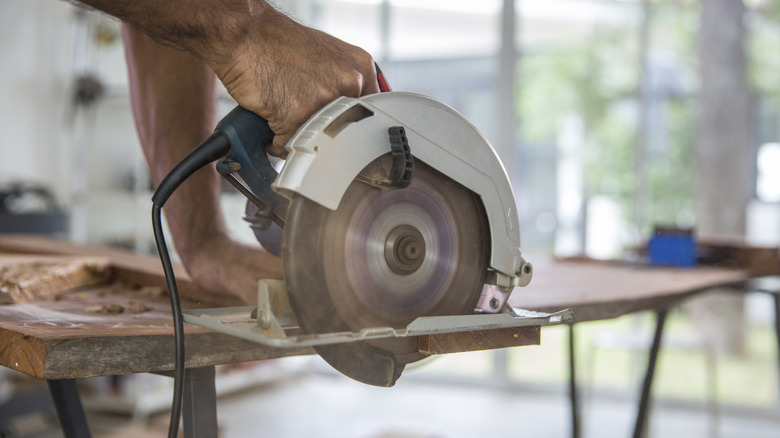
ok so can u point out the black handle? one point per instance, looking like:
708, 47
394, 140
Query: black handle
248, 135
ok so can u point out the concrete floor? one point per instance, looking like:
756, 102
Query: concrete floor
333, 406
323, 404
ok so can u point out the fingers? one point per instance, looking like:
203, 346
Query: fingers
277, 147
353, 77
370, 76
286, 72
371, 87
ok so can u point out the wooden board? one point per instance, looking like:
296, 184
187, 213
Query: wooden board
737, 254
127, 267
25, 278
599, 290
57, 337
74, 335
478, 340
52, 339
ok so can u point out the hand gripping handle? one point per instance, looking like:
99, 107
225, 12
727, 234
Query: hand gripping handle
248, 135
243, 135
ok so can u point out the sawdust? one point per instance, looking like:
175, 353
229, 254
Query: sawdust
81, 296
152, 292
105, 308
141, 303
138, 307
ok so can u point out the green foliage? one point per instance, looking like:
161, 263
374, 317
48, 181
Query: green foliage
762, 46
583, 77
672, 177
595, 77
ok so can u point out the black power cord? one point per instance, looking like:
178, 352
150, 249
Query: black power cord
214, 147
243, 135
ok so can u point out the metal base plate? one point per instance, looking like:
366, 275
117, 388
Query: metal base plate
238, 321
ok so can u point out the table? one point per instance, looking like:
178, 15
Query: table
55, 340
597, 290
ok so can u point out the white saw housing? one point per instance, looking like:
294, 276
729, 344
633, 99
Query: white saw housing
335, 144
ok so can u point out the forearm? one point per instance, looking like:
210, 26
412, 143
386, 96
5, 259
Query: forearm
209, 30
173, 99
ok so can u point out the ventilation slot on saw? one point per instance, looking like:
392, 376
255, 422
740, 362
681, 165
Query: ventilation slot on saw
352, 115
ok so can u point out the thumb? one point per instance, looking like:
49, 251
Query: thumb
277, 147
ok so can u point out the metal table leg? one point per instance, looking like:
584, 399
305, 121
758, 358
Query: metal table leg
777, 322
200, 403
573, 395
66, 399
641, 417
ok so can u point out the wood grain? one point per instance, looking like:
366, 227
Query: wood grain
127, 267
26, 278
52, 339
478, 340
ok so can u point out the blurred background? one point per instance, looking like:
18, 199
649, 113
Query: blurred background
612, 117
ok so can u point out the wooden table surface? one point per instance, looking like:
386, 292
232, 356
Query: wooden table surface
596, 290
57, 338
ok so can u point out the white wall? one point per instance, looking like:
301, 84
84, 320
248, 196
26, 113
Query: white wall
89, 156
36, 51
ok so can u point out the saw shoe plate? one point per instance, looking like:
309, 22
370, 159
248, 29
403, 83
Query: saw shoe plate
382, 259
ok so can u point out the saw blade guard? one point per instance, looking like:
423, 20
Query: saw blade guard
334, 145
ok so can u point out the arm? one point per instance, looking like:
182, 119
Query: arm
270, 64
174, 99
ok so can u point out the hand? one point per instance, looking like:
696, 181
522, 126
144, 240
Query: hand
279, 69
285, 72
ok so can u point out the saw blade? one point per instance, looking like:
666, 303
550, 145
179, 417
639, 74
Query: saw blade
382, 259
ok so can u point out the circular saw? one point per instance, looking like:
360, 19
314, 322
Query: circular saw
399, 208
393, 216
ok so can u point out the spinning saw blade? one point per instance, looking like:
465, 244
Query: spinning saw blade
382, 259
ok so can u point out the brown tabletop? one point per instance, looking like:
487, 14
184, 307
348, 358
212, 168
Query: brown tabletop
596, 290
62, 337
58, 337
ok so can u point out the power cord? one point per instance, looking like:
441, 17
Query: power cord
214, 147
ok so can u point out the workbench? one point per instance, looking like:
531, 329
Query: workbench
56, 341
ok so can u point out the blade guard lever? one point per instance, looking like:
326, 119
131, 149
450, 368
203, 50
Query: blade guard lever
403, 163
401, 169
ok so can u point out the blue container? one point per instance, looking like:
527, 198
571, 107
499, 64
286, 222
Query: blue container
672, 247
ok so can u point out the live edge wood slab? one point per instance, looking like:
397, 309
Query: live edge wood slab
64, 336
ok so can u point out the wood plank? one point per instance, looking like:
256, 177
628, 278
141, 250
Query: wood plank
128, 267
478, 340
23, 353
607, 290
59, 338
25, 278
737, 254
